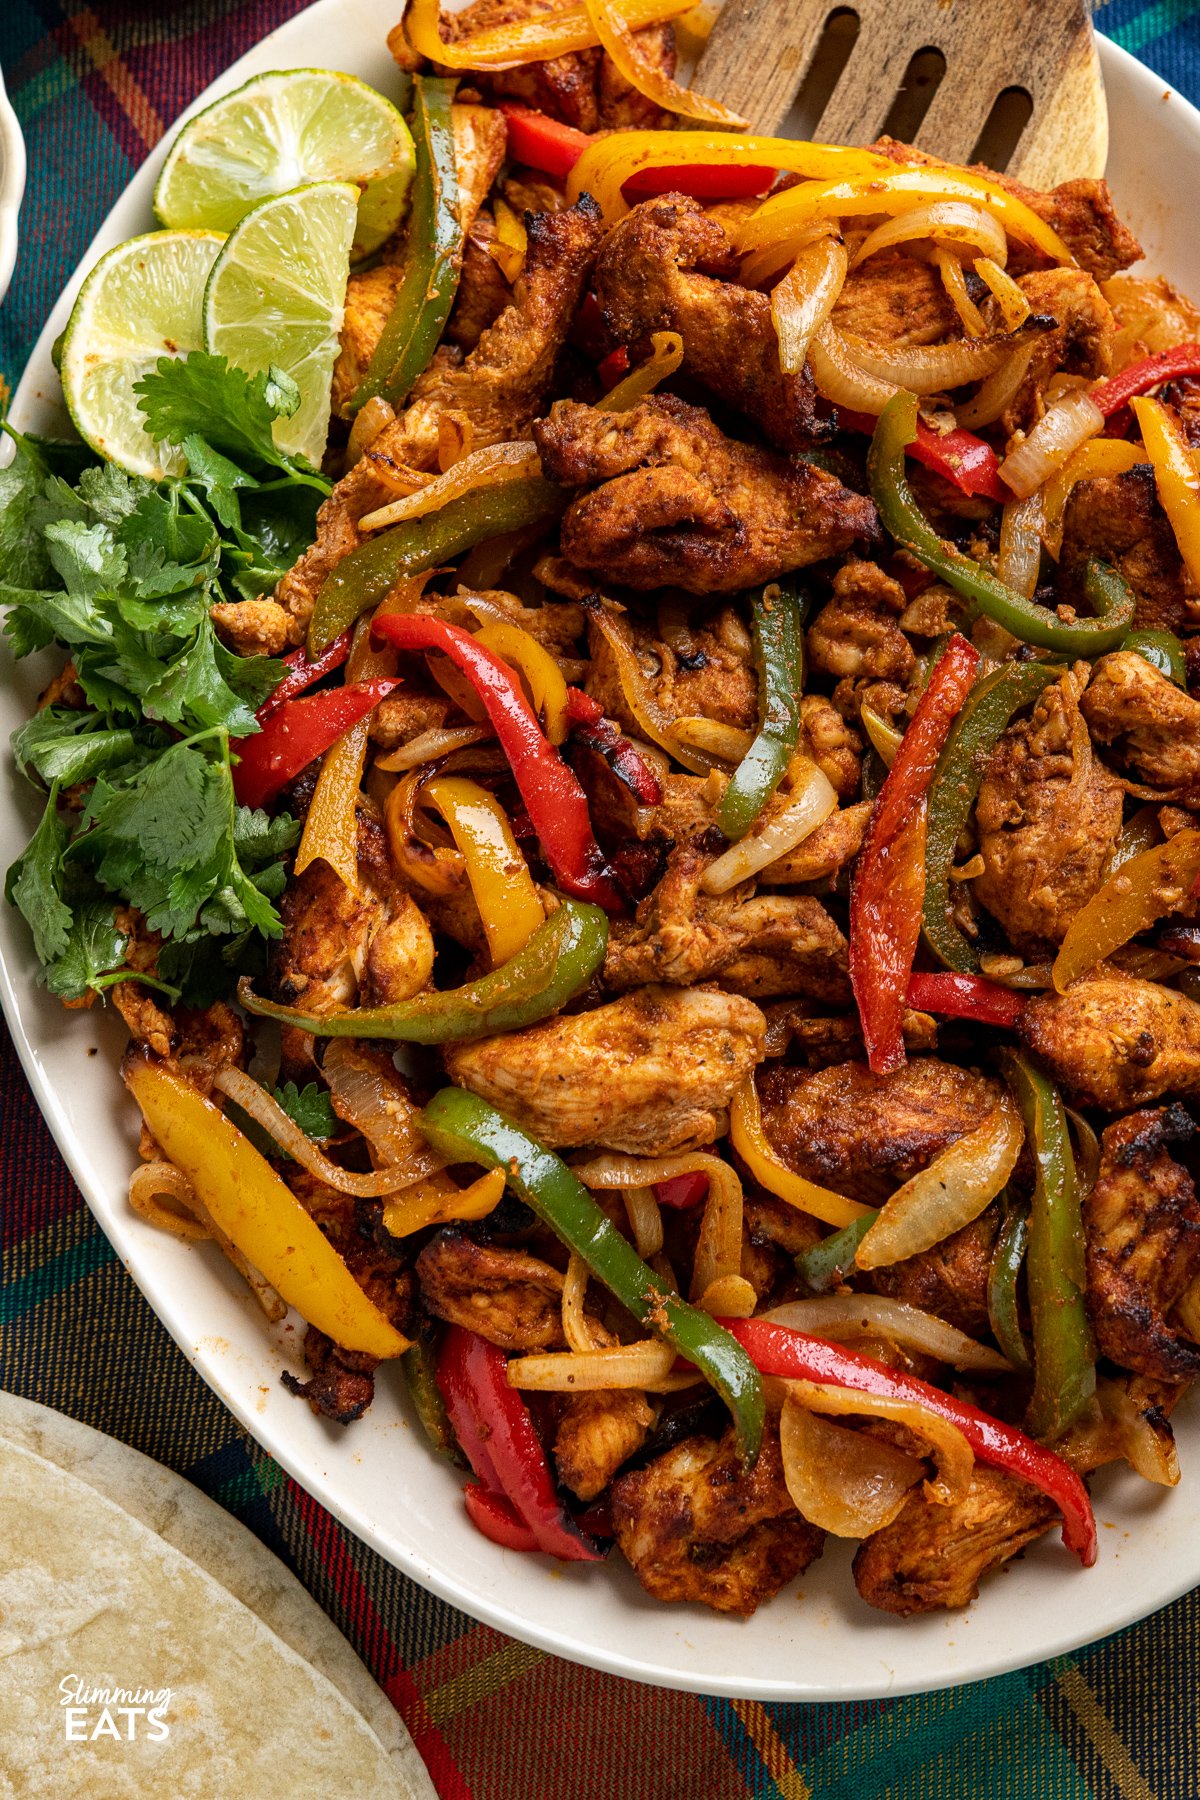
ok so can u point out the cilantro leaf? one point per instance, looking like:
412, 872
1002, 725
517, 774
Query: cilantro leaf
202, 396
23, 556
68, 746
94, 951
310, 1108
33, 884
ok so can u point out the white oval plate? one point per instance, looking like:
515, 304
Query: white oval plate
817, 1641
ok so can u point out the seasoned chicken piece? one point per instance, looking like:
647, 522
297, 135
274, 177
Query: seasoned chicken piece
649, 1073
1156, 724
507, 1296
596, 1433
198, 1043
951, 1280
713, 679
858, 632
1048, 815
820, 1042
934, 1556
683, 505
863, 1134
252, 627
686, 808
496, 390
771, 944
373, 946
342, 1383
1081, 342
893, 299
1129, 1420
480, 135
408, 712
694, 1527
584, 90
483, 293
1116, 1042
1142, 1228
831, 846
833, 745
1151, 314
1118, 519
648, 279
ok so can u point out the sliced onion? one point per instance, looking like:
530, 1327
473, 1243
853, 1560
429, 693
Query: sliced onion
510, 245
645, 1220
998, 391
1012, 300
719, 1244
885, 737
1070, 422
838, 377
266, 1111
728, 743
427, 746
948, 1194
804, 299
614, 1171
728, 1297
656, 723
1117, 1427
642, 1365
931, 368
1021, 544
483, 468
576, 1327
847, 1317
1087, 1152
954, 282
805, 798
953, 1454
951, 222
842, 1481
154, 1184
371, 1096
369, 421
666, 354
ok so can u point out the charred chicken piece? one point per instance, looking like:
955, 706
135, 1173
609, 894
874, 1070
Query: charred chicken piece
858, 632
668, 266
893, 299
951, 1280
647, 1074
1118, 519
1142, 1227
1048, 815
1081, 342
695, 1527
1116, 1042
596, 1433
1156, 725
681, 504
508, 1296
713, 677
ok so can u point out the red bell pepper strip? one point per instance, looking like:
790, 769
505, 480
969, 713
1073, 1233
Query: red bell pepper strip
888, 889
493, 1425
497, 1518
1167, 365
966, 997
554, 800
615, 364
303, 674
794, 1356
296, 734
600, 734
541, 142
966, 460
704, 181
682, 1191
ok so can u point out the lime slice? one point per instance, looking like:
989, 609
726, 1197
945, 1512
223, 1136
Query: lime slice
142, 301
276, 296
278, 132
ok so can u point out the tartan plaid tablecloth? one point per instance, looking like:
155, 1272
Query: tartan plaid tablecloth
95, 86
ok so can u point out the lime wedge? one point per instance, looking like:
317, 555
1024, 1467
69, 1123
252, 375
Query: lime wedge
278, 132
142, 301
276, 296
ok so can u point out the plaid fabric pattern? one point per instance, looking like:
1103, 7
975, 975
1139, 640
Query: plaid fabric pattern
95, 86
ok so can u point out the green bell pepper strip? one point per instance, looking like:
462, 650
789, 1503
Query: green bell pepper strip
419, 1365
465, 1128
560, 958
1104, 589
829, 1262
433, 253
362, 579
956, 783
1064, 1351
777, 621
1162, 650
1007, 1258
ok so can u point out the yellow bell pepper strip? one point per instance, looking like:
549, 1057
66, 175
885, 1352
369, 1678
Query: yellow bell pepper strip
499, 876
440, 1201
1176, 477
612, 160
331, 823
1162, 650
748, 1137
362, 579
465, 1128
898, 188
510, 245
558, 961
1064, 1352
433, 867
257, 1211
777, 623
1142, 891
1106, 592
543, 677
539, 38
666, 354
433, 254
646, 77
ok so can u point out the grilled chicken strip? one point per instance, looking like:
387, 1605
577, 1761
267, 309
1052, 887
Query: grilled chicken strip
1118, 518
682, 505
596, 1433
1142, 1227
1116, 1042
1155, 724
495, 391
1048, 815
950, 1280
694, 1527
707, 672
934, 1556
1081, 342
858, 632
647, 1074
648, 279
507, 1296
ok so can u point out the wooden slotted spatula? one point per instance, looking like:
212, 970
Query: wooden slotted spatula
955, 77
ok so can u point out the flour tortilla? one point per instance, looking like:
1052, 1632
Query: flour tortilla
88, 1590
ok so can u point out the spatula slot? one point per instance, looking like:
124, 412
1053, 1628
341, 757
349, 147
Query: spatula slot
922, 79
833, 51
1010, 114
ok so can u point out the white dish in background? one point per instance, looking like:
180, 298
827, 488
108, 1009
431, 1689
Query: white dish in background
816, 1641
12, 185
